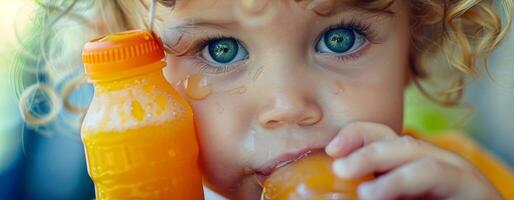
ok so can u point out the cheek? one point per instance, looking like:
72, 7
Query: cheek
220, 136
217, 151
373, 92
376, 97
219, 132
376, 103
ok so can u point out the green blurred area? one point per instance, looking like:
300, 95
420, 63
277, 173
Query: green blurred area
10, 119
429, 118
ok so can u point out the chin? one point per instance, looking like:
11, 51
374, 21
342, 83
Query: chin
244, 188
249, 189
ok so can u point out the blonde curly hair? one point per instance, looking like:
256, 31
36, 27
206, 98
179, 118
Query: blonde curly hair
451, 41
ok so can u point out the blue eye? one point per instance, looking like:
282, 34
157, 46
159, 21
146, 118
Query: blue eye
224, 51
340, 41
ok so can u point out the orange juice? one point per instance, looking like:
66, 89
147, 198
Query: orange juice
310, 177
138, 133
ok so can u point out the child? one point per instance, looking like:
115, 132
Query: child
284, 77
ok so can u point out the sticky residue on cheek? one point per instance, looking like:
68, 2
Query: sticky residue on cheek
339, 87
196, 87
221, 109
237, 91
258, 73
255, 13
249, 143
248, 148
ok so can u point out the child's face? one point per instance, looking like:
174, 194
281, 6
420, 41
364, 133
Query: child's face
283, 80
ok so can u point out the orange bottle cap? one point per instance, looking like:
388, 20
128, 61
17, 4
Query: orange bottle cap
111, 56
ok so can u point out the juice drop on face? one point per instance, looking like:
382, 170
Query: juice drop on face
310, 177
196, 87
221, 109
339, 87
237, 91
248, 171
258, 73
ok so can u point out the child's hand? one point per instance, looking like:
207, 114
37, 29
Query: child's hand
409, 167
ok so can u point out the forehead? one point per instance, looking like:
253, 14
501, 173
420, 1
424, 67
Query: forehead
228, 9
368, 4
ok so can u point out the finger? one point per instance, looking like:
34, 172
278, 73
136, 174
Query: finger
358, 134
423, 177
385, 155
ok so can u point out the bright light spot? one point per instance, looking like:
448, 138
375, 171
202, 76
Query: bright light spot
11, 12
18, 11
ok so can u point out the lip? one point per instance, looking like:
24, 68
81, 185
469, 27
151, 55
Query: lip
281, 161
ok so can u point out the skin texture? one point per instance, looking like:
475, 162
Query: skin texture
287, 97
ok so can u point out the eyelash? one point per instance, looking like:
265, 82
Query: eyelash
358, 26
194, 52
220, 69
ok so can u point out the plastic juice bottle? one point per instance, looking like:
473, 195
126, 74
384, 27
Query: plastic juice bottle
138, 133
310, 178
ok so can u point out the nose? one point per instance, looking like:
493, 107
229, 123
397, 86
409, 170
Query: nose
285, 88
289, 108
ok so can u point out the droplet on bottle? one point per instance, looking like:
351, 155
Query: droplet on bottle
161, 104
137, 111
196, 87
172, 153
237, 91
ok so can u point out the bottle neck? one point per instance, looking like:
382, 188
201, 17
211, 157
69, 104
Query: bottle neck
118, 80
152, 78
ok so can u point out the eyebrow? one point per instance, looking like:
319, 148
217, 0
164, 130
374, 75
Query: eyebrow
194, 23
222, 24
387, 11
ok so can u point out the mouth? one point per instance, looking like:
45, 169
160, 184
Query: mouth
264, 172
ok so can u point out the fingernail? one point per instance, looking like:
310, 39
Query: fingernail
341, 169
333, 146
366, 190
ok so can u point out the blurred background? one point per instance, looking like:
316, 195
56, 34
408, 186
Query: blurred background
48, 162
